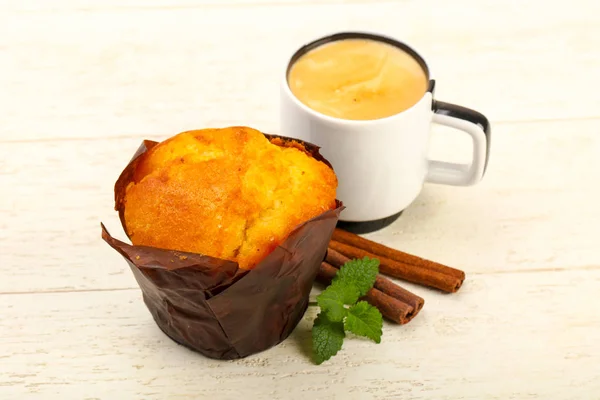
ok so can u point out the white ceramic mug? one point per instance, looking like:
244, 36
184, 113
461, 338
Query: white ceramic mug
382, 164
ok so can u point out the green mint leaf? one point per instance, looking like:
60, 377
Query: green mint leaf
327, 338
332, 300
353, 280
364, 320
360, 273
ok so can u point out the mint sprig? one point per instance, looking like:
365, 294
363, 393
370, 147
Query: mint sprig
340, 311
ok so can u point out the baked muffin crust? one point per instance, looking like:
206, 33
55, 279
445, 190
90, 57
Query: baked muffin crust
228, 193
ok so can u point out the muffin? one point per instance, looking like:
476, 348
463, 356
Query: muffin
228, 230
229, 193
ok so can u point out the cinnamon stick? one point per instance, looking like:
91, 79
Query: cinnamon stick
391, 308
383, 284
360, 242
447, 282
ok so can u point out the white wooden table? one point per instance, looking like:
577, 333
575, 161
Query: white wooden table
83, 82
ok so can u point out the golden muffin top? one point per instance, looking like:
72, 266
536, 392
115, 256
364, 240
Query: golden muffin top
228, 193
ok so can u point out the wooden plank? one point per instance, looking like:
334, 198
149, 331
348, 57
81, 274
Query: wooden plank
504, 336
42, 6
138, 72
534, 209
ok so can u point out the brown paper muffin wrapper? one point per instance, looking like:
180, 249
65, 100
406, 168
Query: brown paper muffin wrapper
212, 306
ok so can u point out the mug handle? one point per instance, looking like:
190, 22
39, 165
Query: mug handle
478, 127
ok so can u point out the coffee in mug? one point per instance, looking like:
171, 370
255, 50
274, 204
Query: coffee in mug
367, 100
357, 79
